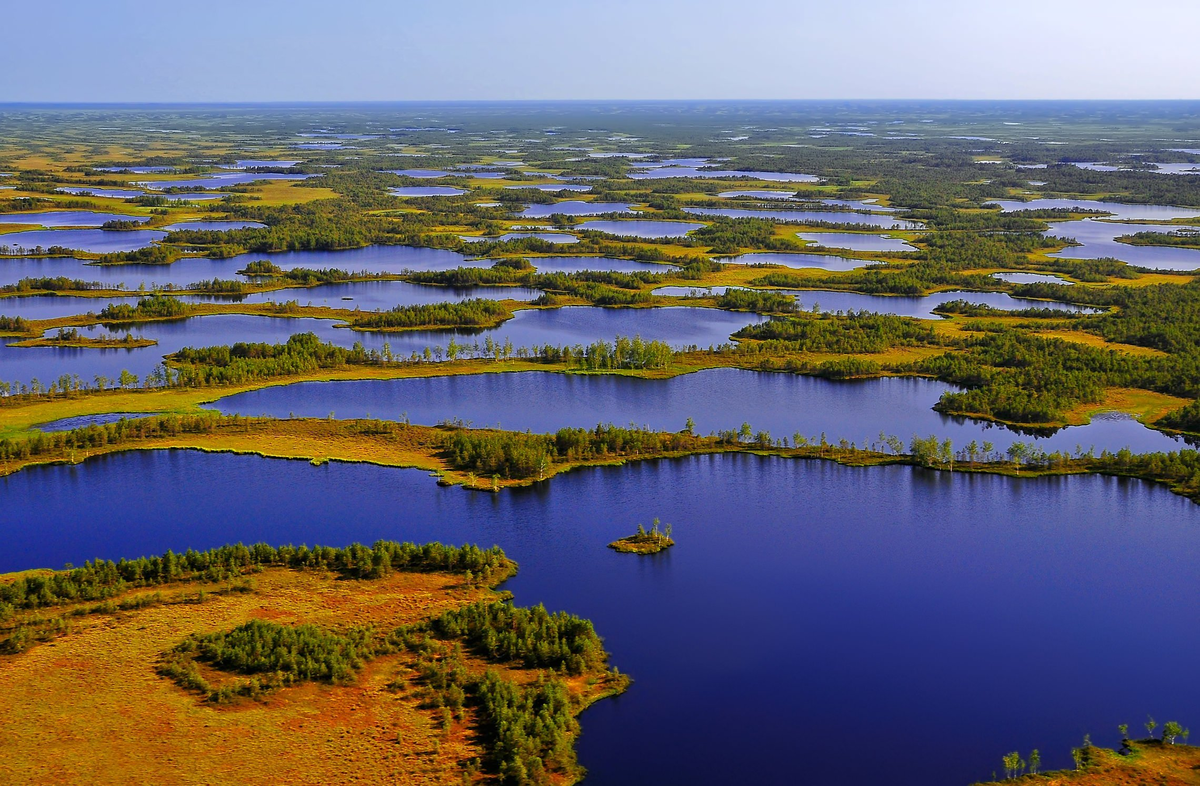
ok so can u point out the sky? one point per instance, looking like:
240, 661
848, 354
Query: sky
376, 50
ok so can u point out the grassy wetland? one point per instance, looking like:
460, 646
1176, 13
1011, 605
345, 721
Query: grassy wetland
265, 250
372, 663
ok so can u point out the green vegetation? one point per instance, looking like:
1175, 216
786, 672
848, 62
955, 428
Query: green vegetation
644, 542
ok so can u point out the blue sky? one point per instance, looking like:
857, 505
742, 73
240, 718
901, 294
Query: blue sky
353, 50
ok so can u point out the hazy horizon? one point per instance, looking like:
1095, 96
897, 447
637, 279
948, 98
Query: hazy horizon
472, 51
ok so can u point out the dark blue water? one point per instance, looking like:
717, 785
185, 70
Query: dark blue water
687, 171
373, 295
426, 191
97, 241
832, 301
64, 218
572, 325
54, 306
1120, 211
1098, 240
555, 187
856, 241
809, 216
1032, 278
214, 226
250, 163
575, 208
190, 270
573, 264
823, 261
426, 174
815, 624
717, 399
82, 421
106, 193
549, 237
221, 180
648, 229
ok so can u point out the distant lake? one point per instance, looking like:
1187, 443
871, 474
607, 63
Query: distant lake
575, 208
104, 193
824, 261
687, 171
715, 399
97, 241
648, 229
809, 217
856, 241
65, 218
426, 191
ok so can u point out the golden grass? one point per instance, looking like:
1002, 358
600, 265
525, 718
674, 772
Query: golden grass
1149, 762
1147, 406
90, 707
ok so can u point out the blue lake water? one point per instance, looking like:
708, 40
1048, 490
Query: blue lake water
190, 270
221, 180
659, 173
426, 191
831, 301
373, 295
575, 208
54, 219
809, 217
1032, 278
802, 597
1120, 210
648, 229
137, 170
572, 264
856, 241
555, 187
97, 241
55, 306
425, 174
678, 326
549, 237
214, 226
106, 193
1098, 240
823, 261
250, 163
717, 399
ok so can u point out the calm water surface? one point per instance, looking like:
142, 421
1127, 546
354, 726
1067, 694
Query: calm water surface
575, 208
824, 261
809, 217
717, 399
649, 229
856, 241
426, 191
99, 241
55, 219
678, 326
803, 597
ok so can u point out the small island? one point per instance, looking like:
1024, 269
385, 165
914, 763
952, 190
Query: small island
645, 542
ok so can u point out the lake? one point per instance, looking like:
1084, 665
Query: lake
803, 599
856, 241
658, 173
426, 191
679, 326
575, 208
98, 241
1032, 278
809, 217
55, 219
106, 193
823, 261
554, 187
1120, 210
1098, 239
221, 180
716, 399
648, 229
